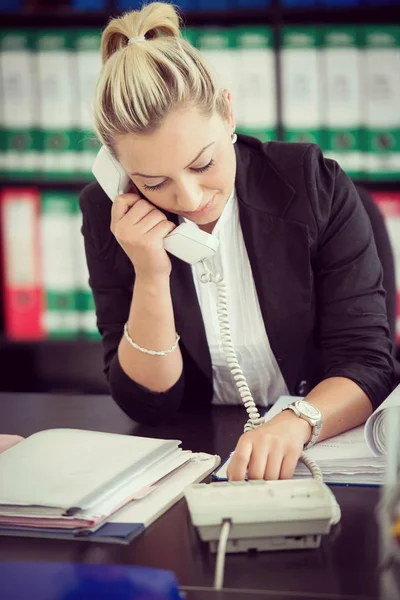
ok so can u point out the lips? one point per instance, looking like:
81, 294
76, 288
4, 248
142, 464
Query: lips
201, 211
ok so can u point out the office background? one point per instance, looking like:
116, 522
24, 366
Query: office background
325, 71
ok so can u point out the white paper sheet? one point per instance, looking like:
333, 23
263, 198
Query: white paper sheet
62, 468
166, 493
375, 427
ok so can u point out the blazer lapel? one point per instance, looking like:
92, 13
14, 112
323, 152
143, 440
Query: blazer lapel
278, 251
188, 319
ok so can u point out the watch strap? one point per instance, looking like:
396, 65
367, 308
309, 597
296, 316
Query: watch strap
315, 429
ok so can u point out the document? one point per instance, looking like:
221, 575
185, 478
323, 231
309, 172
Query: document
357, 456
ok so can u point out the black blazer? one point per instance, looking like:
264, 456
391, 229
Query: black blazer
316, 272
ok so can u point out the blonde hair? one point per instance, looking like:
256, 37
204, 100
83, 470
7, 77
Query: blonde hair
140, 83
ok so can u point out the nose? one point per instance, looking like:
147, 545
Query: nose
188, 196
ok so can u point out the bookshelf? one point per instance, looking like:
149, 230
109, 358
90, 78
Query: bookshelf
274, 15
70, 366
76, 365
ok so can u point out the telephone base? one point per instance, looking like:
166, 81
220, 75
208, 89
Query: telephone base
301, 542
264, 515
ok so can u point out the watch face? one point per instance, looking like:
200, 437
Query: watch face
308, 410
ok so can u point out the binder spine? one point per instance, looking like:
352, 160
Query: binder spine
341, 89
88, 60
18, 82
59, 108
257, 114
22, 289
300, 77
382, 85
59, 270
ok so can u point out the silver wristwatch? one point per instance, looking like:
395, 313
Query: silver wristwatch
312, 415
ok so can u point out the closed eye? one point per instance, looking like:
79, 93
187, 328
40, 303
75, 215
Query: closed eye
205, 168
196, 170
154, 187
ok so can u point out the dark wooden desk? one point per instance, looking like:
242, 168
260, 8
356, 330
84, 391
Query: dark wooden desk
345, 566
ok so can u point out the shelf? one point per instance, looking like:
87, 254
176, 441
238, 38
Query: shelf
388, 186
92, 19
43, 20
51, 344
270, 15
338, 16
255, 16
58, 366
385, 186
58, 184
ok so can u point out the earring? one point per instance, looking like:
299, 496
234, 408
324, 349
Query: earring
234, 138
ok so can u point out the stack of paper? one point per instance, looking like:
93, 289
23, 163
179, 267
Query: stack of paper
376, 426
357, 456
67, 479
346, 458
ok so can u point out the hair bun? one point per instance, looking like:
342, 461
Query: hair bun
155, 20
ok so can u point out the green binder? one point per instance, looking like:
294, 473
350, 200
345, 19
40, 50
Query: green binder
60, 278
301, 92
19, 138
256, 74
341, 83
58, 103
382, 102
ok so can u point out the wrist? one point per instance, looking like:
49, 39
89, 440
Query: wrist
299, 426
153, 283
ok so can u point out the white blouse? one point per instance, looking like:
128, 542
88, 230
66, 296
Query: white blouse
249, 337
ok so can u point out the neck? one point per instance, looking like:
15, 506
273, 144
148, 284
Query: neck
208, 227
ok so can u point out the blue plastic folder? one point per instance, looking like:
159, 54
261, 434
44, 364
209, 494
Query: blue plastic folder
123, 5
10, 5
251, 3
342, 3
214, 4
187, 4
299, 3
71, 581
92, 5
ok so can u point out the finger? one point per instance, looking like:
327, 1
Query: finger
258, 461
149, 221
240, 459
122, 204
163, 228
135, 215
289, 465
273, 467
139, 213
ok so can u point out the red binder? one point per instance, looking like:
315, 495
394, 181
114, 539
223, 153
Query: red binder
389, 204
21, 277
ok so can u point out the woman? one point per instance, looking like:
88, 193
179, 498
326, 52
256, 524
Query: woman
304, 284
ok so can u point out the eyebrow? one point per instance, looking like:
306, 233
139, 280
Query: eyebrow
160, 176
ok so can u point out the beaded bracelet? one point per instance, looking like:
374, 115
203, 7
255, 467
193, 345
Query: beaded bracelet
152, 352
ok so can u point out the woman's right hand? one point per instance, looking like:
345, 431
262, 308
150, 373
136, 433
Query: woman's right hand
140, 229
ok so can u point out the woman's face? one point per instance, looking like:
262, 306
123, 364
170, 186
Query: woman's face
186, 167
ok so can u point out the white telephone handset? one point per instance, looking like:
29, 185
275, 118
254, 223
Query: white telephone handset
187, 243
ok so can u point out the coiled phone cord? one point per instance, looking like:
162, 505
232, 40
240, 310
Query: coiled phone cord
255, 419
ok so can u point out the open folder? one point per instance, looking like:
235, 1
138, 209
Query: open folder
73, 483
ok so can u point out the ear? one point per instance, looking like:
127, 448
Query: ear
230, 118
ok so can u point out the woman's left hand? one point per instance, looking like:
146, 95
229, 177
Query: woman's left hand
272, 450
